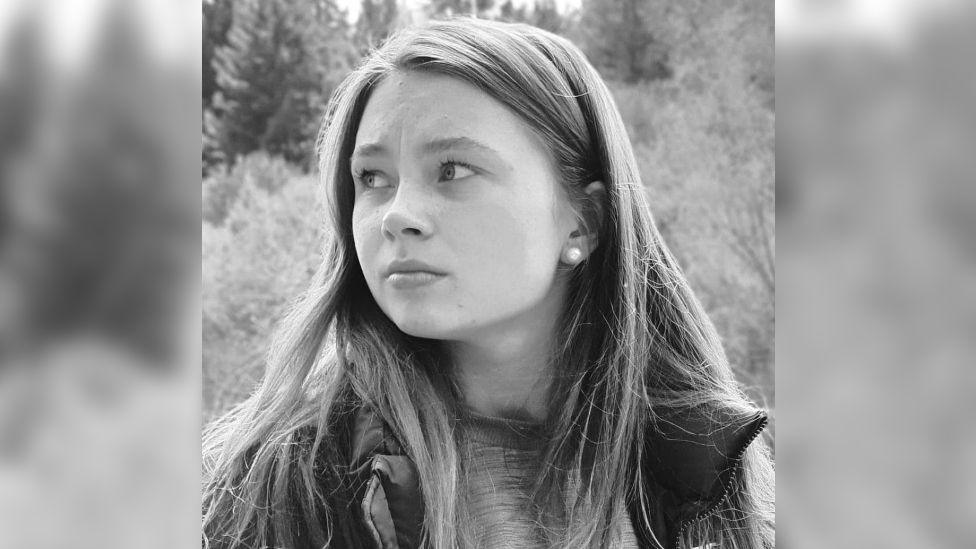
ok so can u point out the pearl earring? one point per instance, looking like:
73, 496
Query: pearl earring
574, 255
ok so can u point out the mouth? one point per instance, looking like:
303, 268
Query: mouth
404, 280
405, 274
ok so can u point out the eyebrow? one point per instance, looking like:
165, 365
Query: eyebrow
369, 149
436, 146
451, 143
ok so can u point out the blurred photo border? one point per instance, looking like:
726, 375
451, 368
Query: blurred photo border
100, 329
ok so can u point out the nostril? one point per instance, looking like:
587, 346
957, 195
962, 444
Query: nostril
405, 219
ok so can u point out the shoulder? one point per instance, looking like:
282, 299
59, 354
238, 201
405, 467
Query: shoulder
692, 462
388, 500
370, 435
693, 452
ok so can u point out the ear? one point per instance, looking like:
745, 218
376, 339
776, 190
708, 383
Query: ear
587, 237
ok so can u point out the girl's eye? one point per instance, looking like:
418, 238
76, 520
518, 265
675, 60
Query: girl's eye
371, 179
455, 170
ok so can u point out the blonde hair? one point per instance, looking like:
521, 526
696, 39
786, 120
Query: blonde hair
637, 343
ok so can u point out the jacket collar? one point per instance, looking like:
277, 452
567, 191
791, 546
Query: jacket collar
691, 454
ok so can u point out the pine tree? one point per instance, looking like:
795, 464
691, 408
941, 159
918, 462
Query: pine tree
620, 40
280, 64
377, 19
216, 22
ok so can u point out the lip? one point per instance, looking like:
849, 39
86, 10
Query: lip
405, 280
410, 266
410, 273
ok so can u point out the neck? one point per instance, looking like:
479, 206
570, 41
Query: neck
502, 382
505, 372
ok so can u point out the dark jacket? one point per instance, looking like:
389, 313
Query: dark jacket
692, 459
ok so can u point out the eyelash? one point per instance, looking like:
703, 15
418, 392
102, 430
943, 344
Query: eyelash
362, 173
455, 163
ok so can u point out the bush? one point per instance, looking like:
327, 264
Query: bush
705, 153
254, 264
258, 170
704, 149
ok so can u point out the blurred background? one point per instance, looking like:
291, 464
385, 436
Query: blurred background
876, 306
101, 354
99, 273
693, 80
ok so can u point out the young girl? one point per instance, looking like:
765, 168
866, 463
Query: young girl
499, 350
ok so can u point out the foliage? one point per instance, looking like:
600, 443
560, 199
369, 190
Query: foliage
275, 74
619, 37
83, 157
258, 170
483, 8
217, 16
253, 264
706, 158
704, 140
543, 14
703, 137
377, 19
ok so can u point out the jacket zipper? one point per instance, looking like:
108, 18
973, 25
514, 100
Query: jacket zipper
713, 508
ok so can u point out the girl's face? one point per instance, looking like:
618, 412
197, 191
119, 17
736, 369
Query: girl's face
459, 220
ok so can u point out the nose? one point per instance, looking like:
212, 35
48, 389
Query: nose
407, 214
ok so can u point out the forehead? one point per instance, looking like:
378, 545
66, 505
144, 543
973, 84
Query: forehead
416, 106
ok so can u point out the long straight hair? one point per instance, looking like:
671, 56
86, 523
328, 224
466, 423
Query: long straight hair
635, 342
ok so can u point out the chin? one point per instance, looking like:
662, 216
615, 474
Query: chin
423, 324
423, 328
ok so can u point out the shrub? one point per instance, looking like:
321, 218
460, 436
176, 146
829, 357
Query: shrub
258, 170
254, 264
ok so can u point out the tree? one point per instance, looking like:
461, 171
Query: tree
481, 8
619, 39
377, 19
100, 249
510, 12
274, 77
217, 16
543, 14
546, 16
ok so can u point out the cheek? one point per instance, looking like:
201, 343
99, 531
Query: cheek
512, 247
365, 234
